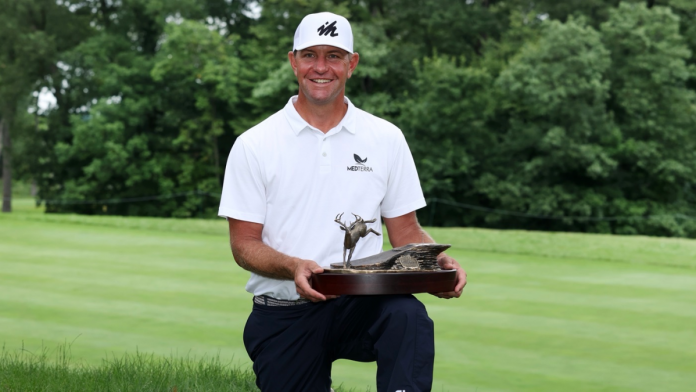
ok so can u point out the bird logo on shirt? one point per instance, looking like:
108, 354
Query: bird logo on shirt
359, 160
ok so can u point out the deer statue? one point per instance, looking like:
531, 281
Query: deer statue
354, 231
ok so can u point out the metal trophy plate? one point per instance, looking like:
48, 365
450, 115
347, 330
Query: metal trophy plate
407, 269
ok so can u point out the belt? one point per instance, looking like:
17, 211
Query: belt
270, 301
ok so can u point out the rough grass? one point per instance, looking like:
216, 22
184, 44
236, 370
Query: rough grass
542, 311
21, 370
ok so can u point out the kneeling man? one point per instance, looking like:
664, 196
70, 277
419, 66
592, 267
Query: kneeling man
286, 180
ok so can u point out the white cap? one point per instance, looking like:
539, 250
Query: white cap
324, 28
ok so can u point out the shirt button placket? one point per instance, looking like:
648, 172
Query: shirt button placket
325, 156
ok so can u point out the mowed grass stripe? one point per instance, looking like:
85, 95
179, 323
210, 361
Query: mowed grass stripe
583, 274
120, 260
115, 323
538, 366
544, 283
506, 374
614, 281
484, 376
21, 302
587, 315
677, 252
561, 324
616, 346
601, 302
133, 280
107, 293
93, 344
117, 247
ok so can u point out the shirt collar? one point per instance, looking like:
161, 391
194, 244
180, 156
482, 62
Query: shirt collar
298, 124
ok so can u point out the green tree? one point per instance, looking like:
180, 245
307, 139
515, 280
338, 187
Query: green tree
553, 155
147, 97
446, 122
26, 47
656, 112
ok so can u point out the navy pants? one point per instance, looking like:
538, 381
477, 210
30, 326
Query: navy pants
293, 347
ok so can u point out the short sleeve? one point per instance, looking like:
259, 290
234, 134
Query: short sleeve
243, 191
404, 193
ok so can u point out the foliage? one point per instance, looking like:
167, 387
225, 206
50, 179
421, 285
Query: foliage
656, 113
450, 110
575, 116
554, 153
32, 33
152, 100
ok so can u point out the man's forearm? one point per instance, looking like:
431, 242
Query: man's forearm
253, 255
261, 259
417, 235
405, 230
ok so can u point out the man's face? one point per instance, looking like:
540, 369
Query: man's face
322, 72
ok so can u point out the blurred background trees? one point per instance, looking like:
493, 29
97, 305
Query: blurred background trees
570, 116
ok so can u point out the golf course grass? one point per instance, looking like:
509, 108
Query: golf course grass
541, 312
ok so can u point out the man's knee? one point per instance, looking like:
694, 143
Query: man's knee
404, 308
404, 315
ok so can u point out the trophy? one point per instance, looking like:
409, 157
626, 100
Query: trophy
407, 269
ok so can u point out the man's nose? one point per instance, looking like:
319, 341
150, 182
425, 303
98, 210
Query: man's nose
321, 65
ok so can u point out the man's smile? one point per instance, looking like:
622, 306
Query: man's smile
321, 81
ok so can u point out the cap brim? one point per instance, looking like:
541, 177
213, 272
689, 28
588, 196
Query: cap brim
319, 42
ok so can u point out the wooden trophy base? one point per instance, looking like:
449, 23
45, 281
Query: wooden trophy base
381, 282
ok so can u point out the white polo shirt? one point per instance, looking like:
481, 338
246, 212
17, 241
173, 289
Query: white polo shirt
294, 179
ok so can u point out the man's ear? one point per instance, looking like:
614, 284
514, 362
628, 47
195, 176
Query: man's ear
293, 62
354, 59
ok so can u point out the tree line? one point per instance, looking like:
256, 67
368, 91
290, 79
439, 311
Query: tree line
543, 115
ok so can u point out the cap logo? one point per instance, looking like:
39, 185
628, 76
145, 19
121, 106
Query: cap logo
328, 29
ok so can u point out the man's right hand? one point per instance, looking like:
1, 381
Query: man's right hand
303, 280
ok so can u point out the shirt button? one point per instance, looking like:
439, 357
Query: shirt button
323, 154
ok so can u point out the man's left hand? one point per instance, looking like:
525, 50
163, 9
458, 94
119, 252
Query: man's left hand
448, 263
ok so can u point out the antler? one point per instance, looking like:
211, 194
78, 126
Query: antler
359, 219
338, 220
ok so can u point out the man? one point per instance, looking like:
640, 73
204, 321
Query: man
286, 180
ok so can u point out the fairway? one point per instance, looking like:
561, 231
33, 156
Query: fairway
541, 312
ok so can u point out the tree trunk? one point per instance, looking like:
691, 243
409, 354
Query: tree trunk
6, 167
216, 160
